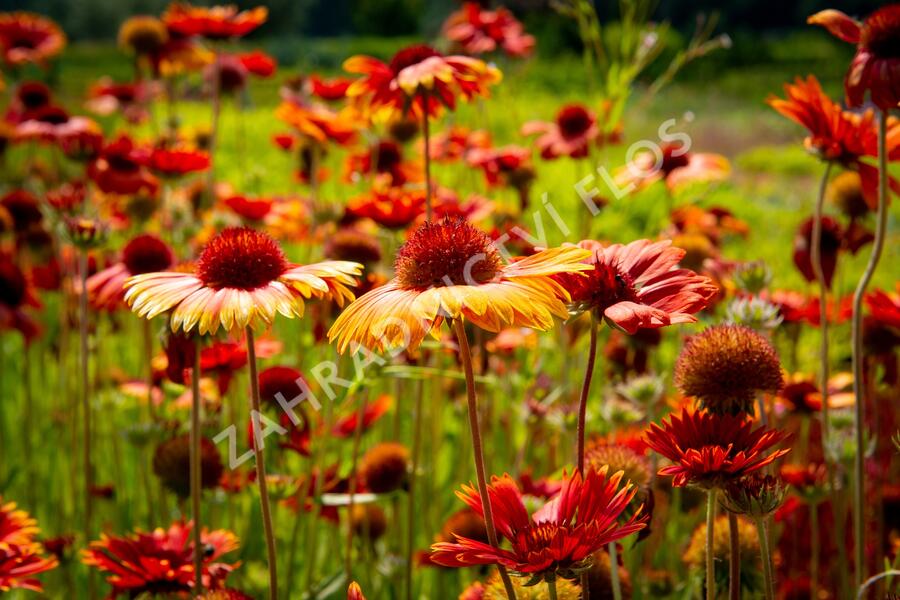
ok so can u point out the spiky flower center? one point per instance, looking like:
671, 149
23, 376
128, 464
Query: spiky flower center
241, 258
146, 254
450, 252
411, 55
573, 121
881, 33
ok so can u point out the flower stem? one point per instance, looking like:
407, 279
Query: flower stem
710, 525
195, 469
214, 127
766, 555
261, 470
814, 548
354, 478
614, 581
465, 356
411, 491
585, 389
85, 407
816, 243
551, 588
426, 133
856, 335
734, 558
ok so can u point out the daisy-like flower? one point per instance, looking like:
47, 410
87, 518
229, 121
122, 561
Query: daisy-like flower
456, 143
709, 450
242, 278
21, 558
120, 168
675, 165
450, 269
876, 64
145, 253
638, 285
418, 79
29, 38
214, 23
389, 206
571, 134
319, 123
555, 540
177, 162
479, 31
142, 35
258, 63
161, 562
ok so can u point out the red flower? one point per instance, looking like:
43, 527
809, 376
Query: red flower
252, 209
638, 285
346, 426
571, 134
480, 31
107, 97
143, 254
354, 592
258, 63
501, 165
160, 562
884, 307
175, 162
121, 169
21, 558
15, 295
876, 65
418, 79
557, 539
215, 23
709, 450
329, 89
318, 122
29, 38
674, 165
385, 158
392, 207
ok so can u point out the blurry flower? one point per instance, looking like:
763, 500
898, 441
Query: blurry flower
172, 464
319, 123
556, 540
571, 134
144, 253
214, 23
384, 467
480, 31
876, 66
328, 89
177, 162
29, 38
160, 562
600, 585
225, 594
450, 269
68, 197
368, 521
21, 557
846, 193
121, 168
251, 209
353, 244
230, 72
673, 164
29, 98
695, 555
277, 380
143, 35
638, 285
809, 481
354, 592
85, 233
756, 496
509, 165
258, 63
885, 307
23, 209
709, 450
418, 79
830, 246
242, 278
494, 589
752, 277
105, 97
180, 55
391, 207
373, 411
457, 142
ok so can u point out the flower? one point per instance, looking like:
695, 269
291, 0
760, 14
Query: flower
638, 286
876, 66
143, 35
120, 168
809, 481
755, 495
726, 366
456, 142
145, 253
279, 379
709, 450
834, 239
160, 562
368, 521
450, 269
354, 592
105, 97
384, 158
494, 589
29, 38
328, 89
418, 79
242, 277
557, 538
506, 165
355, 244
384, 467
171, 463
21, 557
176, 162
571, 134
215, 23
251, 209
15, 295
479, 31
389, 206
885, 307
673, 164
319, 123
22, 207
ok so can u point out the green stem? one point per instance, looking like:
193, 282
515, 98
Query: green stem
195, 470
766, 555
411, 493
814, 547
710, 549
819, 272
354, 477
734, 558
465, 356
856, 334
613, 572
85, 407
551, 588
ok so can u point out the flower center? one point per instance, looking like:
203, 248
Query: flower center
411, 55
34, 95
574, 120
146, 254
673, 157
241, 258
881, 32
450, 252
609, 286
12, 284
388, 157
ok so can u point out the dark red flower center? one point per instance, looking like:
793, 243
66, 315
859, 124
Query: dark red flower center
608, 286
574, 120
34, 95
387, 157
12, 284
881, 32
146, 254
449, 252
241, 258
673, 157
411, 55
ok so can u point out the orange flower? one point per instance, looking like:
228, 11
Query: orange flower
456, 143
319, 122
385, 157
418, 79
215, 23
674, 165
258, 63
29, 38
451, 270
242, 278
391, 207
21, 557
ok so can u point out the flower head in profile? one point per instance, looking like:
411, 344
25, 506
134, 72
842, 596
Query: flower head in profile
354, 592
160, 562
389, 206
214, 23
21, 557
709, 450
418, 79
143, 35
557, 539
178, 161
29, 38
450, 269
570, 134
673, 164
726, 366
756, 496
638, 285
242, 278
171, 463
121, 168
876, 65
16, 295
144, 253
477, 30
